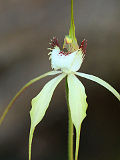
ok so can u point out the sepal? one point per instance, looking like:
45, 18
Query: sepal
40, 104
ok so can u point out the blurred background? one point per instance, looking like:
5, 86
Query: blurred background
26, 28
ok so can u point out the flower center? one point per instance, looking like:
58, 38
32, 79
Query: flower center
66, 61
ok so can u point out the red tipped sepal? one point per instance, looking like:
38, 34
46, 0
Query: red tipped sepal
83, 46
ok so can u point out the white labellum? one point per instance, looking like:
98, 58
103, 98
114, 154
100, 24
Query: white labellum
66, 62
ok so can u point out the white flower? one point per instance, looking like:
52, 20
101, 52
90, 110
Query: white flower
67, 63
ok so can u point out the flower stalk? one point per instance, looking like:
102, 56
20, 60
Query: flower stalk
70, 127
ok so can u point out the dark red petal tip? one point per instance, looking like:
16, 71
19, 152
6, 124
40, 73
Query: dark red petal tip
54, 42
83, 46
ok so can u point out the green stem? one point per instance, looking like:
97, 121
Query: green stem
72, 18
70, 128
77, 142
72, 26
70, 136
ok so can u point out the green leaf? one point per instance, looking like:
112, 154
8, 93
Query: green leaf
78, 105
21, 91
101, 82
40, 104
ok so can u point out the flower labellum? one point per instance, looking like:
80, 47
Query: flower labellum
67, 61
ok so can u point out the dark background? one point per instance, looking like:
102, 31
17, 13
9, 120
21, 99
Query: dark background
26, 28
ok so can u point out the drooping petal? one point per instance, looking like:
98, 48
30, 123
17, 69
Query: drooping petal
40, 104
101, 82
22, 89
78, 105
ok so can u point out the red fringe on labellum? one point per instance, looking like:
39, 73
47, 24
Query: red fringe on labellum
54, 42
83, 46
64, 53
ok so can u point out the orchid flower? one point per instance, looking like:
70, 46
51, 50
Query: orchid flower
66, 64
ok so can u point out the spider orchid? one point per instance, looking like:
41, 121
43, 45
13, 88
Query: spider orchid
66, 64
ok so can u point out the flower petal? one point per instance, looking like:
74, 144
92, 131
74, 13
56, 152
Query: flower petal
40, 104
22, 89
78, 105
100, 81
